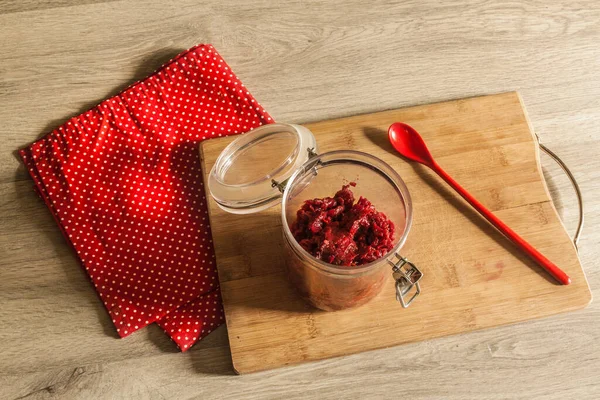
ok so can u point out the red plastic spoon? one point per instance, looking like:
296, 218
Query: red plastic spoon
409, 143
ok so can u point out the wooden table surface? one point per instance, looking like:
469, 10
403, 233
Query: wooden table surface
304, 61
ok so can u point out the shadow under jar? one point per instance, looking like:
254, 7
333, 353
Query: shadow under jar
278, 163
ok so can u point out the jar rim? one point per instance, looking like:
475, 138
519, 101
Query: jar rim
375, 163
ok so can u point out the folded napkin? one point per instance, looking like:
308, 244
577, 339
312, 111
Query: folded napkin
124, 183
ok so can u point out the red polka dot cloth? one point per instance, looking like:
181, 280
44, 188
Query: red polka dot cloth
124, 183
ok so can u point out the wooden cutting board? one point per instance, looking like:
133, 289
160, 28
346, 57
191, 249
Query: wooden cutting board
473, 277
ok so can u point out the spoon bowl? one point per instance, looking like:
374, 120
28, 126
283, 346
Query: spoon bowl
409, 143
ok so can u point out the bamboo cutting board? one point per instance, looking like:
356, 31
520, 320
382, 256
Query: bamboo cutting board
473, 277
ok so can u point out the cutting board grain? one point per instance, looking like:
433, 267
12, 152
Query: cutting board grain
473, 277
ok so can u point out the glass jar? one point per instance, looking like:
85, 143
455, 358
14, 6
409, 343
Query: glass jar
333, 287
278, 163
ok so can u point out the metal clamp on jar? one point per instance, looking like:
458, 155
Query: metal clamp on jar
287, 169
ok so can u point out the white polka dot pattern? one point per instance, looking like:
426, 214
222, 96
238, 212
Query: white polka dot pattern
194, 320
123, 181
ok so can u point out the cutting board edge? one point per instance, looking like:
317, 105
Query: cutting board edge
540, 171
516, 93
243, 371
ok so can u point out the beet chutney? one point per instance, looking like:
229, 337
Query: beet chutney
343, 232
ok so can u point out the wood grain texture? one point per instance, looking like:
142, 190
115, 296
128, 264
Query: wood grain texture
304, 61
473, 278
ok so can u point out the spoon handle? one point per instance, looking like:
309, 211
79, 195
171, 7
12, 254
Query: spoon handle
548, 265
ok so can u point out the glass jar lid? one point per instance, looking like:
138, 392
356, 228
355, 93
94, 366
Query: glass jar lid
249, 172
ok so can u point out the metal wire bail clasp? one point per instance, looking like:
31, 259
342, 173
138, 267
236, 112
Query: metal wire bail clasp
281, 185
407, 276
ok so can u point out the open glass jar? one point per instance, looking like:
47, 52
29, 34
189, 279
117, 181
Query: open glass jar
279, 163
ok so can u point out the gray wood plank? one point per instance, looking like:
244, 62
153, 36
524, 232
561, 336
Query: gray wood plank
15, 6
304, 61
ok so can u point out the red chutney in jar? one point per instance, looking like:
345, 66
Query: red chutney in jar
340, 231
